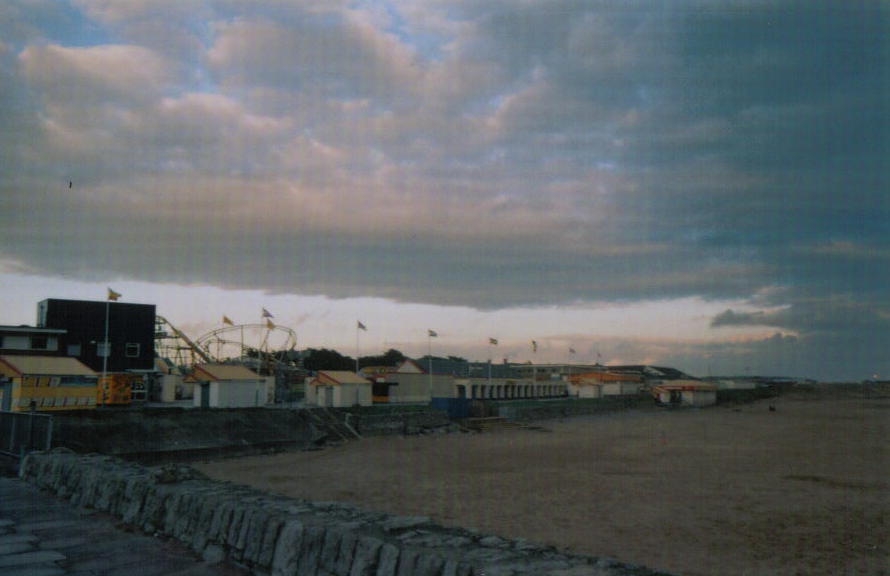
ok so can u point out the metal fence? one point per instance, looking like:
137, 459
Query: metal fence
22, 432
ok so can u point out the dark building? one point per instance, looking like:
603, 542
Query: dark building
131, 329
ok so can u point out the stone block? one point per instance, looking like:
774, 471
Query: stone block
310, 551
456, 567
234, 526
133, 500
365, 557
287, 549
217, 525
330, 549
270, 538
253, 539
388, 562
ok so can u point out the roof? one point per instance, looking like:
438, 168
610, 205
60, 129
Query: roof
685, 385
223, 372
599, 377
440, 366
31, 330
14, 365
653, 372
335, 377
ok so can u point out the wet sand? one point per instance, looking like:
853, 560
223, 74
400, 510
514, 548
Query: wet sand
804, 489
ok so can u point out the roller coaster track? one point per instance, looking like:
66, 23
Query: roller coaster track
163, 325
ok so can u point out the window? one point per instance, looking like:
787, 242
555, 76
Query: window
74, 350
103, 349
39, 342
131, 350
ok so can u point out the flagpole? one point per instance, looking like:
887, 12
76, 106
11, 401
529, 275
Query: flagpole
105, 353
429, 353
357, 330
489, 363
430, 334
571, 356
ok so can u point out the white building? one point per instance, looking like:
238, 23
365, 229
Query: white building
228, 386
338, 389
686, 393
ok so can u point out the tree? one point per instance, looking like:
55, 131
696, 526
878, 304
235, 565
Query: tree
391, 357
324, 359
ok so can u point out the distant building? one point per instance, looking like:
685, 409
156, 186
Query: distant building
131, 330
550, 372
652, 375
601, 383
685, 393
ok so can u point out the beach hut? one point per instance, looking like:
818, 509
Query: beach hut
338, 389
227, 386
685, 393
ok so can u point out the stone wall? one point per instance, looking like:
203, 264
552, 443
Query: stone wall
280, 536
406, 422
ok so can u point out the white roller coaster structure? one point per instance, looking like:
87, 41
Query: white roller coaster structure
264, 347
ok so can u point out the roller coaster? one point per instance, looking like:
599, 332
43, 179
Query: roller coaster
266, 348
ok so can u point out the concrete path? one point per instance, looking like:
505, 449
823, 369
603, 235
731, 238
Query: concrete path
42, 535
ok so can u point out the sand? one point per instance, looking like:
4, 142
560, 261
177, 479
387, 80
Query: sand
804, 489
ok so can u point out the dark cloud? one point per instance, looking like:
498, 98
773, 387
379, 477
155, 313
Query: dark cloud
488, 154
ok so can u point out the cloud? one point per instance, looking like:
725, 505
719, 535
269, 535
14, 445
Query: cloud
487, 154
733, 318
87, 76
319, 55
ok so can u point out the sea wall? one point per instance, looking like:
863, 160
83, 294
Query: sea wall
402, 422
281, 536
172, 430
568, 407
167, 432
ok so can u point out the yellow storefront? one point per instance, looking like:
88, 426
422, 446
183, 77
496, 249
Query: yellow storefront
48, 383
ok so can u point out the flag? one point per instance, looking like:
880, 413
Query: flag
267, 314
493, 341
269, 324
534, 345
361, 326
433, 333
571, 350
112, 295
227, 320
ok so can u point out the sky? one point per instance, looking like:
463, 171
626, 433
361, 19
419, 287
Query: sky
697, 184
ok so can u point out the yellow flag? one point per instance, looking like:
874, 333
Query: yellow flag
227, 320
269, 324
112, 295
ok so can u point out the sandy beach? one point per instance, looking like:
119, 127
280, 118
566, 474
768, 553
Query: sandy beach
735, 490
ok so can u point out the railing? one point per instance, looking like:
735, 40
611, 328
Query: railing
23, 432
